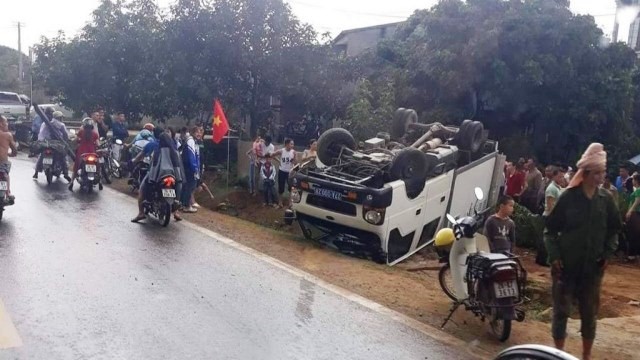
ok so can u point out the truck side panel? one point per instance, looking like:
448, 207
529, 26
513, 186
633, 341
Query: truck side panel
477, 174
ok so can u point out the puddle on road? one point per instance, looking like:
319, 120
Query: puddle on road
305, 301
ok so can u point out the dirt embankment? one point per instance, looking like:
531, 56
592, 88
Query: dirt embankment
418, 294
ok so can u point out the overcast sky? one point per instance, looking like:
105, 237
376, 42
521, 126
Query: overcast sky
47, 17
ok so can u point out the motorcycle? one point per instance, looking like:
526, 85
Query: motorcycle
489, 285
88, 176
110, 167
53, 158
4, 198
138, 171
160, 198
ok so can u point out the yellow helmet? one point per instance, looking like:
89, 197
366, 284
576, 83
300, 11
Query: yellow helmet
445, 237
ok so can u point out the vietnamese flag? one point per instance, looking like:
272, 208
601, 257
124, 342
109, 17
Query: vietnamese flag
220, 123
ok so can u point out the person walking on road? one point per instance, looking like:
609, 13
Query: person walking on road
582, 236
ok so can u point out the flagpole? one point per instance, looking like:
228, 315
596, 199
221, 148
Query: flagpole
228, 156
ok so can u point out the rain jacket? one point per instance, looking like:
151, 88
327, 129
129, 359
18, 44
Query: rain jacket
191, 158
166, 161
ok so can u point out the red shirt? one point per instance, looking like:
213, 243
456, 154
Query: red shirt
515, 183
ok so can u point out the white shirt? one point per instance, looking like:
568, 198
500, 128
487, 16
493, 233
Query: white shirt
287, 158
267, 150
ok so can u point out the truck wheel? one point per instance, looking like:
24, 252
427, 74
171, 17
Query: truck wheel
331, 143
470, 136
401, 120
409, 164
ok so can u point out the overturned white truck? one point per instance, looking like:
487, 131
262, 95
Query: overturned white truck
388, 198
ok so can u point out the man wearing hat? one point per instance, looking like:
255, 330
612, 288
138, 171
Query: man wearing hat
54, 130
582, 236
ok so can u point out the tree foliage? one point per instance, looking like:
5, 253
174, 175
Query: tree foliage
528, 68
133, 57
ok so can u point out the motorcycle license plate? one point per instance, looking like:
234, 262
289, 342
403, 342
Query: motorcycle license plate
168, 193
47, 161
3, 186
506, 289
90, 168
101, 160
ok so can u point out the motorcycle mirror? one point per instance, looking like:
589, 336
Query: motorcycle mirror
479, 193
118, 142
451, 219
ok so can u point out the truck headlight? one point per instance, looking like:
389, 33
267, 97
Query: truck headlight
296, 196
374, 216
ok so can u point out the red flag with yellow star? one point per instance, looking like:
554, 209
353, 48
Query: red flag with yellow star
220, 124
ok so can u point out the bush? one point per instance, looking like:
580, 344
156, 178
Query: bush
529, 227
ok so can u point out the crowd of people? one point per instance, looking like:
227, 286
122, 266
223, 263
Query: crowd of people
539, 193
269, 167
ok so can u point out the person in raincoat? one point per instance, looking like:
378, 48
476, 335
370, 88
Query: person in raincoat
165, 161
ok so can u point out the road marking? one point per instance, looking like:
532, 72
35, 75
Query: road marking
440, 336
9, 337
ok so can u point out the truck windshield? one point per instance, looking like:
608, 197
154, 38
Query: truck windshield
12, 99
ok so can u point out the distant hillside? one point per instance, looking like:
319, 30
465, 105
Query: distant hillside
9, 69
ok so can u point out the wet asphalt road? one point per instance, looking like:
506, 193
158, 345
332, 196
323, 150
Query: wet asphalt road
80, 281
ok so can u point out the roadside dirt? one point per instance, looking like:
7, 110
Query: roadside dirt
418, 294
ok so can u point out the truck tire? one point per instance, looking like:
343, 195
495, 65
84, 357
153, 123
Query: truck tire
470, 136
411, 166
331, 142
401, 120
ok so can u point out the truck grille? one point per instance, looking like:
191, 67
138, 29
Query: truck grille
332, 205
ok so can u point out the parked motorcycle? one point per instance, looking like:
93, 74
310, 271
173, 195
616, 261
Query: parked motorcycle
110, 167
88, 176
489, 285
4, 198
160, 198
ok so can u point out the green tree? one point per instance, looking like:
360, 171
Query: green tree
528, 68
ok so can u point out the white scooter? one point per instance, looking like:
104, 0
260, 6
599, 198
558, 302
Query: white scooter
487, 284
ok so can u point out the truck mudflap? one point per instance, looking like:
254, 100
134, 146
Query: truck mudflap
347, 240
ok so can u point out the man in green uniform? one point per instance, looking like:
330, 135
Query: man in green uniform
582, 236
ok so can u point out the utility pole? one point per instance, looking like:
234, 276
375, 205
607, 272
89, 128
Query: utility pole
20, 74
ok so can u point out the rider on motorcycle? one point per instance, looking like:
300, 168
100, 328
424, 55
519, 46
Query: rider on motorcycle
38, 121
165, 146
88, 142
55, 130
6, 143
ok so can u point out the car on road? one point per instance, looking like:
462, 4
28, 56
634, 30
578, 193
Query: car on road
13, 108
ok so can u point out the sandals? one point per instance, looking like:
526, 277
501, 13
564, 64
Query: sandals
137, 219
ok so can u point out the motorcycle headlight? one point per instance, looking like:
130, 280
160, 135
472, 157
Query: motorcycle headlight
374, 216
296, 196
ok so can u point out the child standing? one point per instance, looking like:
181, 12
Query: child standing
268, 176
500, 229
